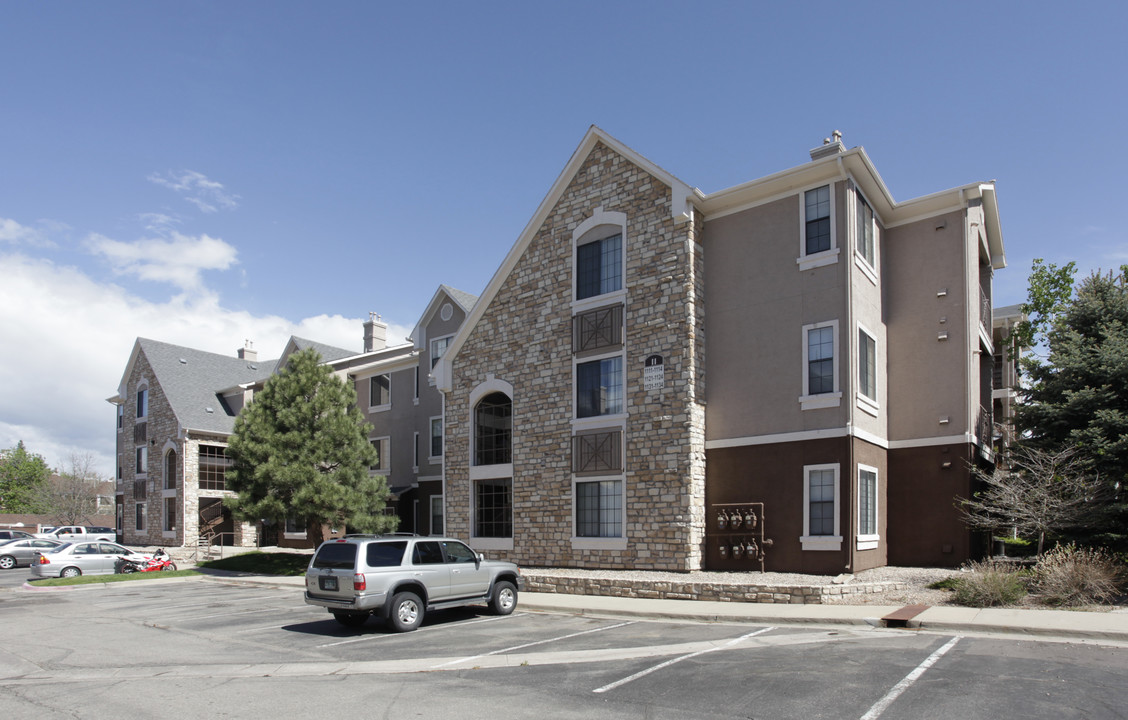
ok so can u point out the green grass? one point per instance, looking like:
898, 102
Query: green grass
261, 563
128, 577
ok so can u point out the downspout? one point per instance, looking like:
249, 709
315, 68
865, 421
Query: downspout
849, 354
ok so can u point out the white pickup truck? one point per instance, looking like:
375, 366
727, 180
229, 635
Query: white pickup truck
79, 533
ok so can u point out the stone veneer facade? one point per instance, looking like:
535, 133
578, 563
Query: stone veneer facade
523, 338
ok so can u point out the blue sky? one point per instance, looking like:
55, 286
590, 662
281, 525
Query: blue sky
208, 172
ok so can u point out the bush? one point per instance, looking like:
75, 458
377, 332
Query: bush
1070, 576
988, 584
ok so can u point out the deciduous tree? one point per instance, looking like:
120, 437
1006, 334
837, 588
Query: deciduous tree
300, 451
71, 497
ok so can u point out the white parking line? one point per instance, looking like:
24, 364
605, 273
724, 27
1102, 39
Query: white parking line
668, 663
881, 705
526, 645
435, 627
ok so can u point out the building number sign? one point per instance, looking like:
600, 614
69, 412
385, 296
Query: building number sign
653, 373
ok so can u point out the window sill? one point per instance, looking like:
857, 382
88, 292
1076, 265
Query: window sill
435, 459
867, 269
590, 303
491, 543
826, 257
379, 408
294, 536
599, 421
608, 543
821, 542
820, 402
867, 542
867, 405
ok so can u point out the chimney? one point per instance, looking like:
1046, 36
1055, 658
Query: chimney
247, 352
831, 146
375, 333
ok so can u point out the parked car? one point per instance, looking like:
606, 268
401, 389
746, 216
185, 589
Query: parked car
83, 558
13, 534
401, 578
23, 551
78, 533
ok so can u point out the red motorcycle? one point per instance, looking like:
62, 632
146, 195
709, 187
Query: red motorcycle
160, 561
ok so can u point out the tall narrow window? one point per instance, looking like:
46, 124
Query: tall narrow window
383, 460
817, 219
865, 230
436, 514
820, 505
436, 437
438, 347
867, 365
142, 460
599, 267
493, 508
169, 519
170, 471
599, 387
867, 501
820, 360
493, 430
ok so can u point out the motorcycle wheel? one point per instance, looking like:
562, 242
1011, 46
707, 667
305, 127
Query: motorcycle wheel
171, 567
128, 568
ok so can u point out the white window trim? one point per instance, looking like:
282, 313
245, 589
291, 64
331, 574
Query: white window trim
121, 417
386, 406
143, 525
870, 271
822, 400
137, 471
143, 385
435, 459
415, 390
601, 419
863, 401
821, 542
165, 495
415, 455
826, 257
385, 456
431, 514
600, 543
431, 347
602, 224
868, 542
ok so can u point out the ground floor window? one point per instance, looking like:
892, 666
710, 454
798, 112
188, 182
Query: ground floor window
139, 512
599, 508
169, 520
493, 508
436, 514
867, 508
820, 508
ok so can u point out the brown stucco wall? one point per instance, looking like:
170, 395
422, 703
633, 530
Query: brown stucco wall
924, 526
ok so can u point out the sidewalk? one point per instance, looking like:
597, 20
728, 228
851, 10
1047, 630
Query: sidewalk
1064, 624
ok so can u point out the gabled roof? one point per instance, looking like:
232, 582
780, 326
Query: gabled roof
191, 380
464, 300
684, 198
328, 353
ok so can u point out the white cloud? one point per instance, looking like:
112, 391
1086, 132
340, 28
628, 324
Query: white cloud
207, 195
67, 338
178, 260
12, 232
158, 222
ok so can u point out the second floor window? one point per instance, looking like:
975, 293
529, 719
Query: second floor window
493, 430
816, 218
599, 267
599, 387
820, 360
142, 403
379, 391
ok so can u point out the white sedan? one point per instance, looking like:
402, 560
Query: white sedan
84, 558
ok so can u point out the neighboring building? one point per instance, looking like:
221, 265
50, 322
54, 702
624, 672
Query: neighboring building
793, 373
1006, 378
176, 410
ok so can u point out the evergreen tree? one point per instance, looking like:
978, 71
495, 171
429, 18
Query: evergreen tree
300, 450
22, 477
1078, 397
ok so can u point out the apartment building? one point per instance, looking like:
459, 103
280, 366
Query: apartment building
176, 409
793, 374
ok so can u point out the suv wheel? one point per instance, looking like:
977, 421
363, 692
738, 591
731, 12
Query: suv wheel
504, 598
350, 619
405, 612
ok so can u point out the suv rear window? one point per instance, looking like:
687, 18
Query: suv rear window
336, 556
386, 554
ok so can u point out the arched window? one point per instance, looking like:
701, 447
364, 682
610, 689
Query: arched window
170, 470
493, 430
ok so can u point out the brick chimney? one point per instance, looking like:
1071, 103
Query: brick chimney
831, 146
247, 352
375, 333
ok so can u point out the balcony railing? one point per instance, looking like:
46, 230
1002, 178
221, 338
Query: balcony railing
984, 309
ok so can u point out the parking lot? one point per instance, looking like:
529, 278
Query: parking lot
204, 648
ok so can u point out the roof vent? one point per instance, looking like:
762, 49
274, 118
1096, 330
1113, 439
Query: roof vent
183, 361
831, 146
209, 410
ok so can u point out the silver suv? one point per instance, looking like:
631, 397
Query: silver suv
402, 577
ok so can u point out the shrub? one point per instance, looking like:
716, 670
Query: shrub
1070, 576
988, 584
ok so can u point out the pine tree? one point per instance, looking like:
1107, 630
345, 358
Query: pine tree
300, 451
1078, 398
22, 477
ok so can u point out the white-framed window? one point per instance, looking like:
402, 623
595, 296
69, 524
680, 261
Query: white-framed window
415, 396
379, 392
493, 430
170, 470
820, 366
142, 457
139, 516
599, 507
865, 231
491, 465
120, 417
867, 508
599, 387
168, 515
867, 371
436, 514
493, 508
382, 446
599, 247
438, 347
818, 245
142, 402
821, 530
415, 452
436, 448
293, 526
